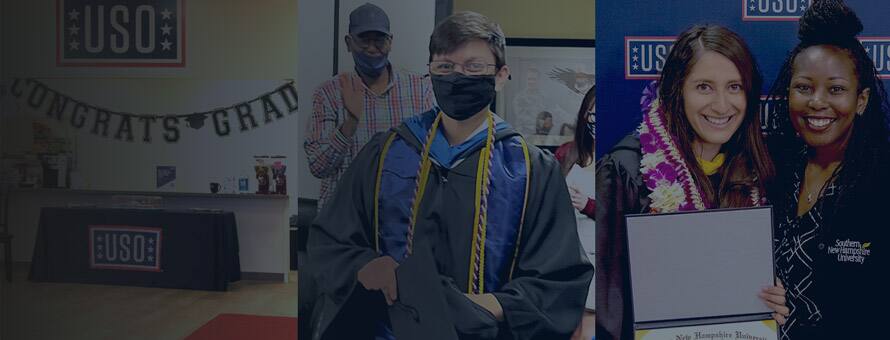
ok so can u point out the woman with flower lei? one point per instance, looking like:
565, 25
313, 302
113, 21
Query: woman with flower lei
699, 146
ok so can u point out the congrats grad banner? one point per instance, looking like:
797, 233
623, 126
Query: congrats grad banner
634, 39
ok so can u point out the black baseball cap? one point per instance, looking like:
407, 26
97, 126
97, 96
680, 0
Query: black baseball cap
368, 17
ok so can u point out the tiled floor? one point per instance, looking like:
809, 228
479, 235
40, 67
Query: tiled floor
31, 310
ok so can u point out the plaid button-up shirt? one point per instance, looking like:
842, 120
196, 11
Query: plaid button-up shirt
330, 152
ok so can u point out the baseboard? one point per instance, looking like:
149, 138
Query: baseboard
255, 276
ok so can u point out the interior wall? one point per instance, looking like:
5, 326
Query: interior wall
236, 50
560, 19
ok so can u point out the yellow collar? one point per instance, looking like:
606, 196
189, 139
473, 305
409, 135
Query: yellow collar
710, 167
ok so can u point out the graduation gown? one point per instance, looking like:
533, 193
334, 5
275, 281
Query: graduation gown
543, 298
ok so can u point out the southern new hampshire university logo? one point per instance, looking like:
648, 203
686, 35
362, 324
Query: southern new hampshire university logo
123, 33
878, 48
850, 251
125, 248
644, 57
773, 10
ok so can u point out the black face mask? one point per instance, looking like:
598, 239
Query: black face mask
461, 96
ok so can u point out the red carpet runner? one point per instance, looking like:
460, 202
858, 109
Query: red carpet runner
242, 326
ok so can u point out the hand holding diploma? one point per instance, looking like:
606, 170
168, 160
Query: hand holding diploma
774, 298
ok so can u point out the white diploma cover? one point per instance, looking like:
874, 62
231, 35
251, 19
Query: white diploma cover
696, 275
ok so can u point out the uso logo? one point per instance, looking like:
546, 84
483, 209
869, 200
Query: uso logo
773, 10
878, 48
644, 57
125, 248
131, 33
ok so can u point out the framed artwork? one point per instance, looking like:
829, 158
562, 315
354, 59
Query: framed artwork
549, 80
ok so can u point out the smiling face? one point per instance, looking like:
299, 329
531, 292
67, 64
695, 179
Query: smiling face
714, 102
823, 99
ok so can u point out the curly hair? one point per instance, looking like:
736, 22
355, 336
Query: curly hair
832, 23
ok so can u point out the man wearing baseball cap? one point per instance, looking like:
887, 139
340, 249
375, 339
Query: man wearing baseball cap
353, 106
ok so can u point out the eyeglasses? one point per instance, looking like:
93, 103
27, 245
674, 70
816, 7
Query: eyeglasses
380, 42
444, 68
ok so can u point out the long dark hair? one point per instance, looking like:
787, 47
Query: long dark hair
748, 164
580, 150
832, 23
583, 138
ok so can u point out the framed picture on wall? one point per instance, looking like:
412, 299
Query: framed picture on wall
549, 80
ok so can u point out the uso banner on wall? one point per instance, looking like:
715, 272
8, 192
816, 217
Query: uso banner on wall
131, 33
633, 42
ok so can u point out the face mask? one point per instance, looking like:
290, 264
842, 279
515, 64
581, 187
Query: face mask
461, 96
369, 66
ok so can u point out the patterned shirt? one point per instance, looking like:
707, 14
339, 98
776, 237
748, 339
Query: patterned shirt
329, 152
797, 247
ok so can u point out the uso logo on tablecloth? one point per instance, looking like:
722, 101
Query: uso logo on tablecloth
773, 10
131, 33
644, 57
125, 248
878, 48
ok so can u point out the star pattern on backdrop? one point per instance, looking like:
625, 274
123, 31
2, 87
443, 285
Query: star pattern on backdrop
75, 33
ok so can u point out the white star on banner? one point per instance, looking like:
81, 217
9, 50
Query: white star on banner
635, 49
635, 58
99, 238
151, 249
99, 255
73, 29
151, 241
868, 50
165, 14
166, 45
803, 8
99, 246
166, 29
151, 258
74, 45
752, 8
636, 67
73, 15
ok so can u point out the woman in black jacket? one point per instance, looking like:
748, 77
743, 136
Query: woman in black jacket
832, 180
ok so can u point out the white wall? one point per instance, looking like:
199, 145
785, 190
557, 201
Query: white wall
236, 51
411, 22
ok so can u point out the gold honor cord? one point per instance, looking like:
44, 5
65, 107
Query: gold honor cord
483, 174
483, 181
383, 153
421, 179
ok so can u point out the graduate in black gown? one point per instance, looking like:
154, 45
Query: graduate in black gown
457, 182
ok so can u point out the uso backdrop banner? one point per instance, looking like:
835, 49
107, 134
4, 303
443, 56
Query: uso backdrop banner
633, 41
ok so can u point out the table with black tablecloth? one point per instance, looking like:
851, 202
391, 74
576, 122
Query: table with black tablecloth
198, 248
